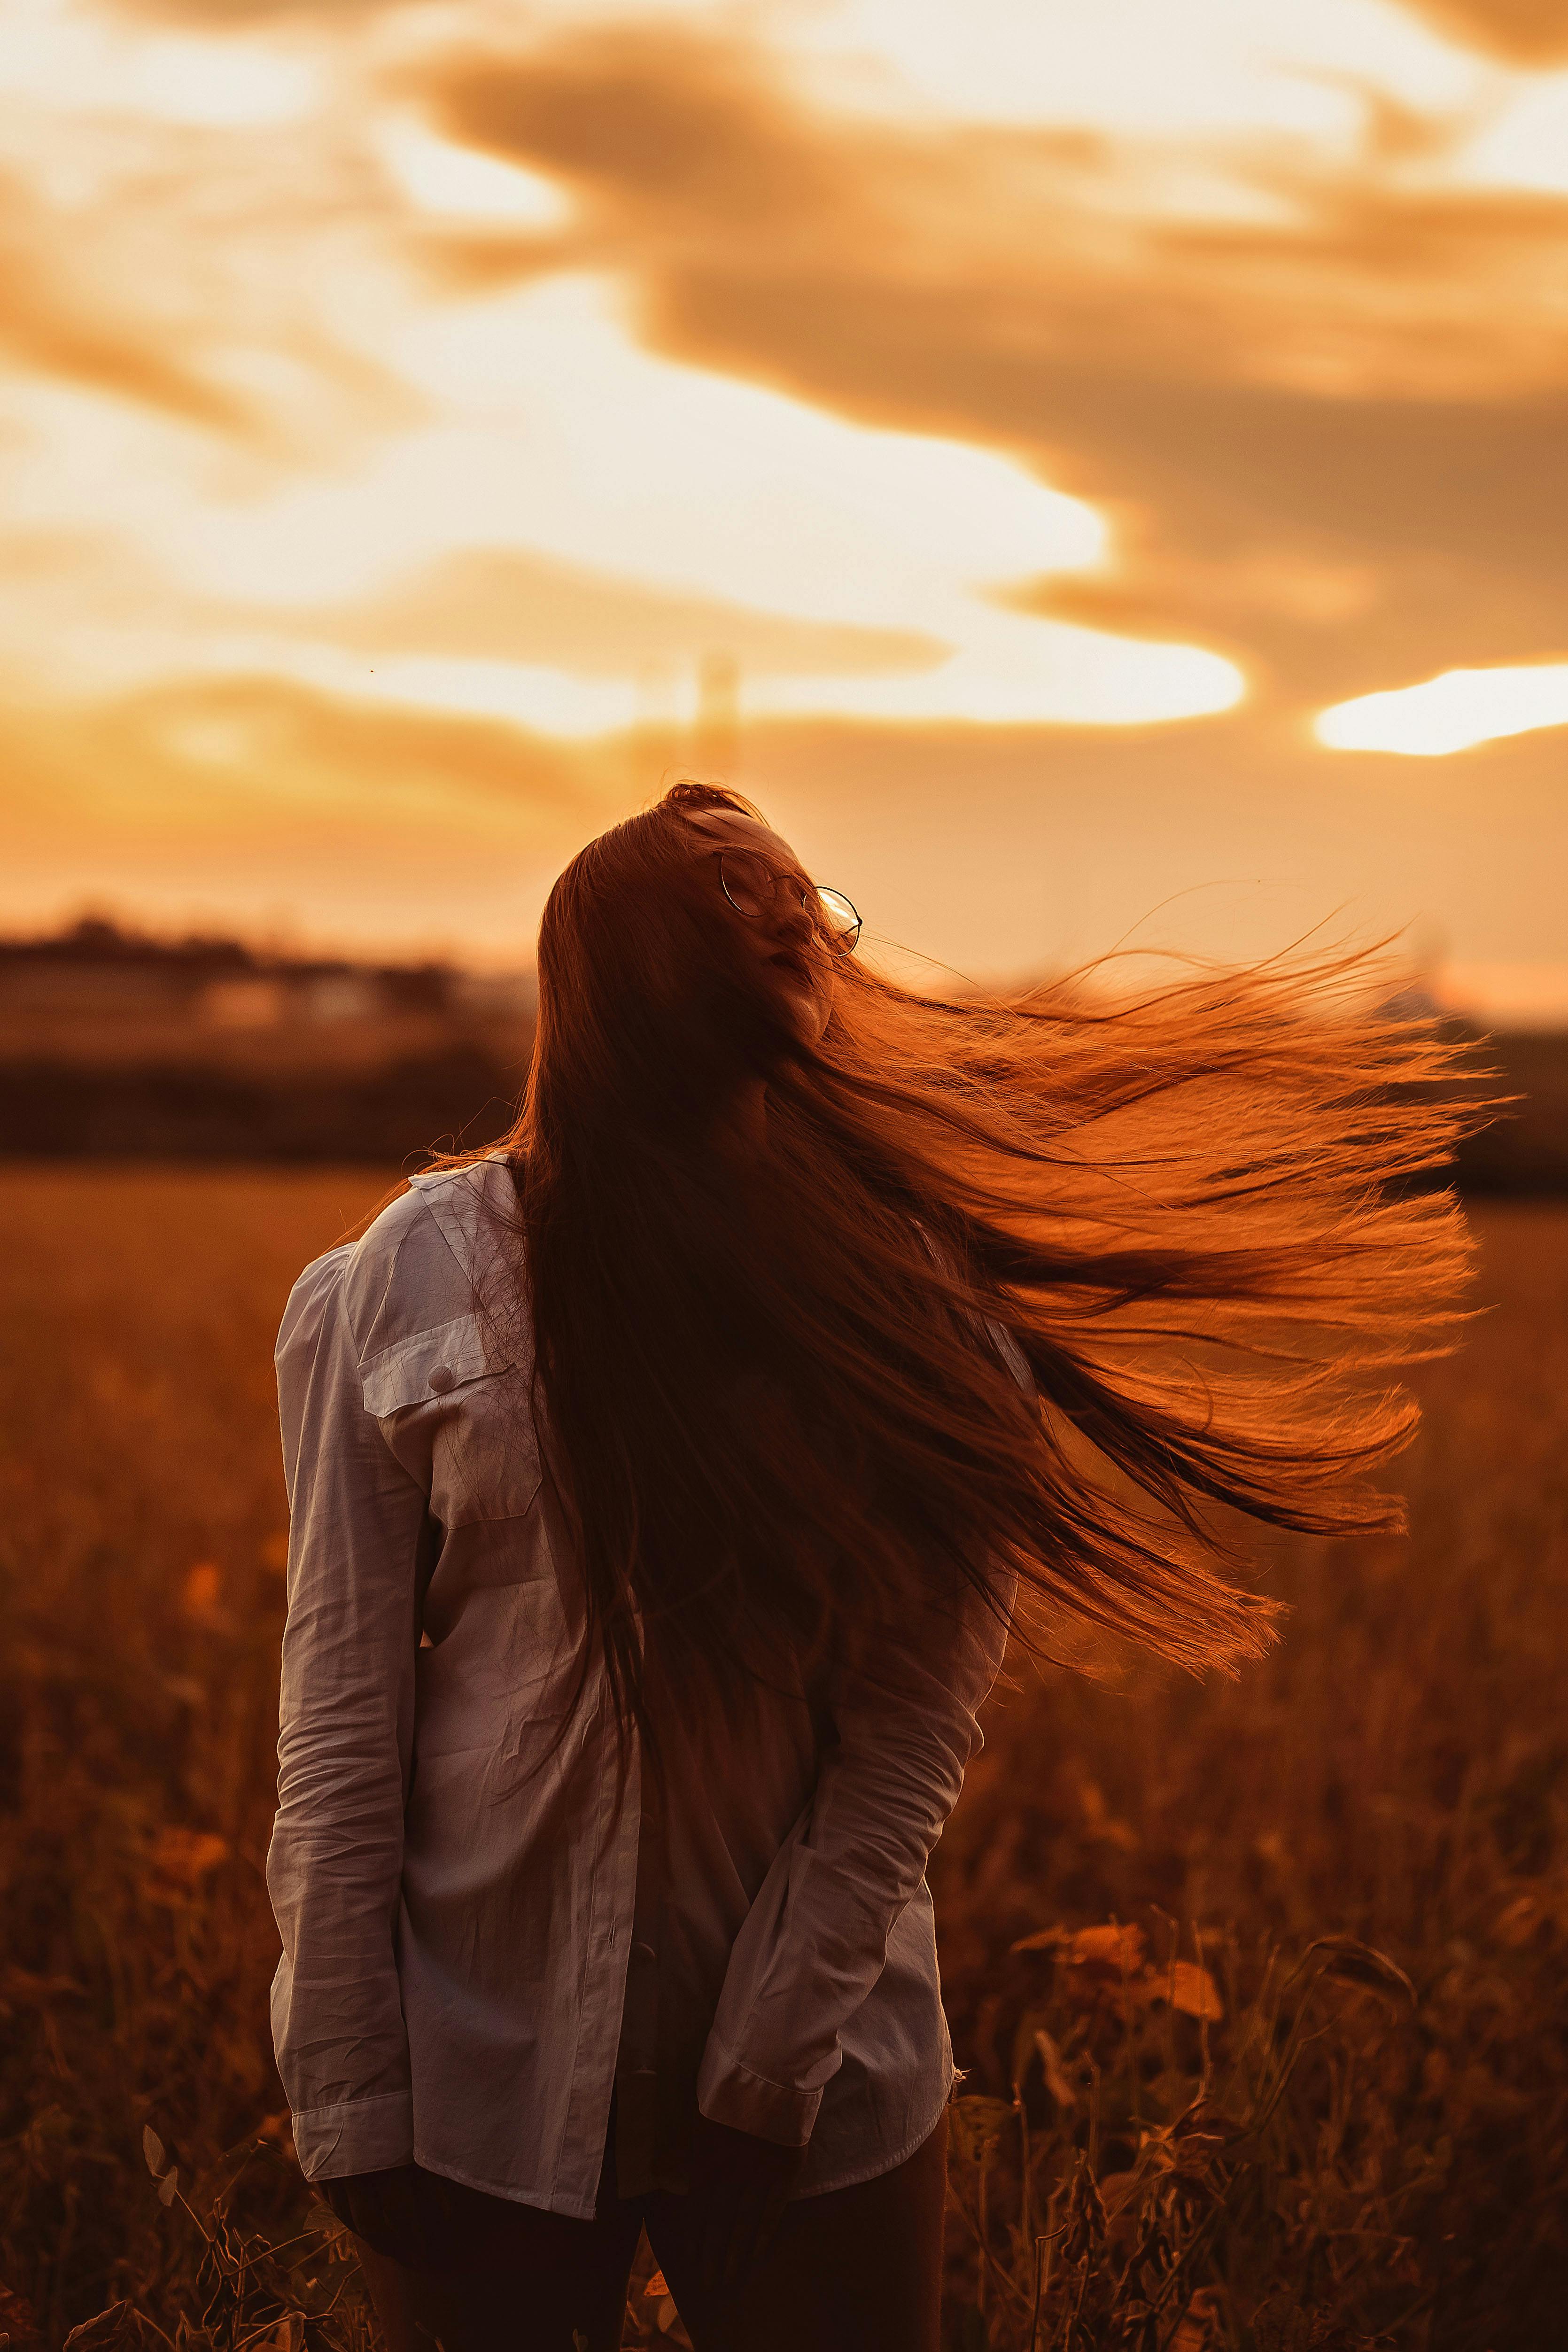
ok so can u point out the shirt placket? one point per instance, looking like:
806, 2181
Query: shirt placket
636, 2065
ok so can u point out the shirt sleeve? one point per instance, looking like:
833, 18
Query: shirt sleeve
816, 1939
335, 1868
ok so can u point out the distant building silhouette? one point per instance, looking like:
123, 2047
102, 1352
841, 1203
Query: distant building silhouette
95, 968
115, 1044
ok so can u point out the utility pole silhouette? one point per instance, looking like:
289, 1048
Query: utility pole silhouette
716, 739
653, 744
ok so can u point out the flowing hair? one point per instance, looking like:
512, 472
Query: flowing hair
1017, 1296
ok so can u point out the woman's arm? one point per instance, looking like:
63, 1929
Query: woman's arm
336, 1866
816, 1939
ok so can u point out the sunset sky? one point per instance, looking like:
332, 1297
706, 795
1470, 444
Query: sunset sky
1113, 457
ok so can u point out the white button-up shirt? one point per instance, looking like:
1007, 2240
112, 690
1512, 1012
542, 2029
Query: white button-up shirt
457, 1886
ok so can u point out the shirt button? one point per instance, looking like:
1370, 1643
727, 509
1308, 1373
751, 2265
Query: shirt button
644, 1952
442, 1379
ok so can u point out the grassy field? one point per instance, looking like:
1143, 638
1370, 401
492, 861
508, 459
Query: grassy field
1201, 2108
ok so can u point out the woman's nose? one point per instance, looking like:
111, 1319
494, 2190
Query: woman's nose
790, 923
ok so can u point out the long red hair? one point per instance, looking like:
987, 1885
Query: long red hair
781, 1399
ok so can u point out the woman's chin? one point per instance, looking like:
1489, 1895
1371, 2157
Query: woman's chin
806, 1010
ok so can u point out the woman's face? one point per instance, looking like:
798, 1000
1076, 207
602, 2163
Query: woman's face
782, 937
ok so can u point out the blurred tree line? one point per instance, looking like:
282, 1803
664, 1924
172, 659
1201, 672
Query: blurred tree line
114, 1044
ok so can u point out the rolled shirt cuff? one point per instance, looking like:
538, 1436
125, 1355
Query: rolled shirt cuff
374, 2135
731, 2092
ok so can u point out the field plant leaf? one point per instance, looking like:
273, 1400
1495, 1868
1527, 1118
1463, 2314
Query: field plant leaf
1054, 2073
1353, 1962
978, 2123
1194, 1992
1033, 2042
114, 2326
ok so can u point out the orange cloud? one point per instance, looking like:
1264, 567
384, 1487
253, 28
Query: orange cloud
501, 603
62, 321
1525, 32
1348, 400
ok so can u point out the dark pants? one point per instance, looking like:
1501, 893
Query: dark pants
859, 2270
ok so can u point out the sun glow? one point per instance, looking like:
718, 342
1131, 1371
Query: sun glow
462, 185
1452, 712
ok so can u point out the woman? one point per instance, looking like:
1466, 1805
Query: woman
663, 1489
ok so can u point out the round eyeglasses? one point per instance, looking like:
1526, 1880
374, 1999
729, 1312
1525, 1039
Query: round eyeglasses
752, 887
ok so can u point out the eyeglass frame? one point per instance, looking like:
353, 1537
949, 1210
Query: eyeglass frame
813, 895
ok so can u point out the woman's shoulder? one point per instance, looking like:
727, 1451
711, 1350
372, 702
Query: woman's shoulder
434, 1255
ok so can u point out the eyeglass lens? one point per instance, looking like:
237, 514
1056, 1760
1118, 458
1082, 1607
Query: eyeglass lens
751, 886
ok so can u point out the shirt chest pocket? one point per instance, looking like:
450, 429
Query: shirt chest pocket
451, 1401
